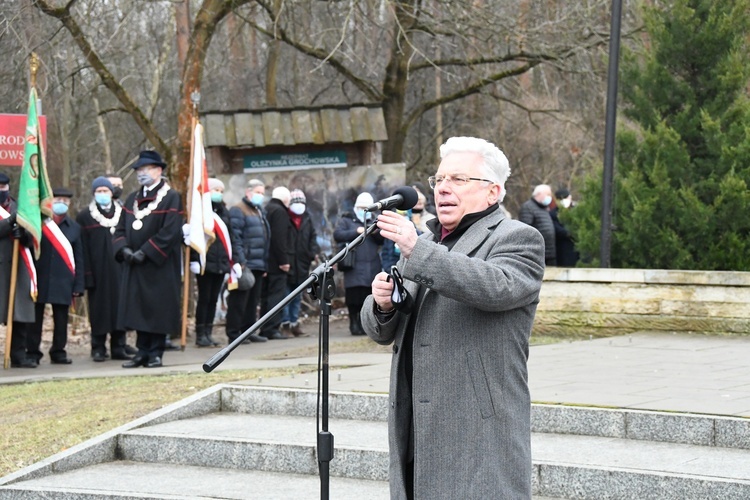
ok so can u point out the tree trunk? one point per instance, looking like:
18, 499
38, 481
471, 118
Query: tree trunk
182, 24
395, 85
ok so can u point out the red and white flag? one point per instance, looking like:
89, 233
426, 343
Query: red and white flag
201, 214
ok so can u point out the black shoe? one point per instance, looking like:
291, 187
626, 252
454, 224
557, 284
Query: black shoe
129, 350
136, 362
169, 346
203, 342
154, 362
121, 355
24, 363
257, 338
99, 357
61, 361
277, 335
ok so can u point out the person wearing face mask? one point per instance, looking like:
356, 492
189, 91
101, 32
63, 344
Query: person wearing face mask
23, 307
358, 280
116, 182
217, 265
249, 227
148, 240
419, 214
304, 247
56, 283
567, 256
536, 213
103, 274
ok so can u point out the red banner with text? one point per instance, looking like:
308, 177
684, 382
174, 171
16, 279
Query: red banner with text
12, 138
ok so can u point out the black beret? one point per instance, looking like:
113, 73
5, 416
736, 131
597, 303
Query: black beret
4, 179
562, 193
62, 192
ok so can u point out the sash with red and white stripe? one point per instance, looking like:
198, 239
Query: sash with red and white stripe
222, 234
60, 243
28, 261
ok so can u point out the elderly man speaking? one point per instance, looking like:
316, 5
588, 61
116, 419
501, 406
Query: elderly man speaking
459, 423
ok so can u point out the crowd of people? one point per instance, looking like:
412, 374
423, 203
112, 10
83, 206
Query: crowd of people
126, 256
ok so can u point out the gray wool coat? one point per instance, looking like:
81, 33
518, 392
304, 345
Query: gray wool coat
471, 403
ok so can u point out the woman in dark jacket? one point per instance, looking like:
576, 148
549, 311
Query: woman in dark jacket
212, 279
250, 227
358, 280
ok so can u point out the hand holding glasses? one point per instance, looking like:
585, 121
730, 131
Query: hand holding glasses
400, 297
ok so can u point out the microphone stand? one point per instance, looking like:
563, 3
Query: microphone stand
321, 286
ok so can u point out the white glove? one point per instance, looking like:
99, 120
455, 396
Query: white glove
195, 267
186, 234
237, 270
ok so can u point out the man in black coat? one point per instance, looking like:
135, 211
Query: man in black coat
23, 307
103, 273
535, 213
274, 283
148, 238
57, 282
303, 242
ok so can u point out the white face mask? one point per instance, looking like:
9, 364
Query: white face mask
566, 202
297, 208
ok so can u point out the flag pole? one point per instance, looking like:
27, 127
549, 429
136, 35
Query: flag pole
11, 304
33, 67
195, 97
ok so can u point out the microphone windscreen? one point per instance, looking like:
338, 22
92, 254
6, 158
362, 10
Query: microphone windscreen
410, 197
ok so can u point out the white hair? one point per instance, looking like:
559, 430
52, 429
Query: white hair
282, 194
541, 188
494, 166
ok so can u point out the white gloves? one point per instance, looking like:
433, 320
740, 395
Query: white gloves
186, 235
195, 267
237, 270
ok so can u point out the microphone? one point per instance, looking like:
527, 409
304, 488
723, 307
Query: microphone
403, 198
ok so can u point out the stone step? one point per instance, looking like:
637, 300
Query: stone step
287, 444
129, 480
246, 431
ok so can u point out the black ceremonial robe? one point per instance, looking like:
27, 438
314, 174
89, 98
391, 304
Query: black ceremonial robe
150, 292
103, 274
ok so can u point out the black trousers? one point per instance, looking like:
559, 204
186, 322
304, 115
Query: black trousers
59, 335
116, 342
209, 287
150, 345
242, 307
274, 291
18, 341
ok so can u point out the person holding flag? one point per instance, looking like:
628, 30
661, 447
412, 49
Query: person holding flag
25, 289
218, 262
148, 239
60, 270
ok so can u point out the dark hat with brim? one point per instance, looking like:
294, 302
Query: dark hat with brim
149, 158
62, 192
4, 179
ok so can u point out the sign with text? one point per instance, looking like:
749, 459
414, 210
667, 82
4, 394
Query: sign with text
12, 138
294, 161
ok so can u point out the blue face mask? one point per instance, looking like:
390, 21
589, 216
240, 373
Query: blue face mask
546, 201
59, 208
257, 199
216, 197
103, 199
361, 214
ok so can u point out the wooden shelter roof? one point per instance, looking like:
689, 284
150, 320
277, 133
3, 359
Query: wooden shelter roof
293, 126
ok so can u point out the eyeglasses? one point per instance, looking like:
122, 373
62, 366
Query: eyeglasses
457, 180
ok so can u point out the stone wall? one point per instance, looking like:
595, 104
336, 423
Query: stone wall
642, 299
